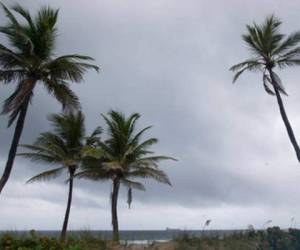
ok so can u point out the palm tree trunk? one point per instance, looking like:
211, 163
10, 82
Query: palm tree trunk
14, 145
114, 205
285, 118
67, 214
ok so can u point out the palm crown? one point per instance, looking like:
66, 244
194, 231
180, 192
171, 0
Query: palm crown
30, 60
124, 157
67, 145
270, 48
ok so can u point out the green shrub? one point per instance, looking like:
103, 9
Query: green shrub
32, 241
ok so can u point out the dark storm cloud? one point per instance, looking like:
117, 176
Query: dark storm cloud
169, 61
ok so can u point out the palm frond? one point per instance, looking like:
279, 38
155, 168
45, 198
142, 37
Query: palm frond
52, 150
69, 127
152, 173
63, 94
251, 41
25, 14
132, 185
69, 67
107, 151
129, 197
271, 37
130, 123
156, 158
94, 138
239, 66
266, 82
291, 41
50, 139
10, 16
13, 116
139, 149
291, 54
40, 157
22, 93
7, 76
47, 175
75, 57
288, 62
248, 65
10, 60
136, 138
12, 106
94, 174
90, 151
46, 18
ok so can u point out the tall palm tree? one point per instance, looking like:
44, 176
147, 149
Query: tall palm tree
66, 146
30, 61
271, 49
123, 159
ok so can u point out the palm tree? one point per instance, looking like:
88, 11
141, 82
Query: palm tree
271, 49
67, 146
30, 61
123, 158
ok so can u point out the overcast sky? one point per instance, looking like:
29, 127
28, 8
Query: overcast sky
169, 61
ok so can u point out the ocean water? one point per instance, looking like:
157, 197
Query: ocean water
137, 236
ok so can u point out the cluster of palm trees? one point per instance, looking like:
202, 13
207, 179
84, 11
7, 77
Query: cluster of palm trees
122, 156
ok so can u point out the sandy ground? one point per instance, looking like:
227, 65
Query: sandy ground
155, 246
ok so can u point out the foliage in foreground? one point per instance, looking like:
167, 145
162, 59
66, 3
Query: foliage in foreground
32, 241
271, 239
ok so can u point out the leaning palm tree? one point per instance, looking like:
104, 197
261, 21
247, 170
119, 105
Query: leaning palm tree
30, 61
271, 49
123, 158
66, 146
